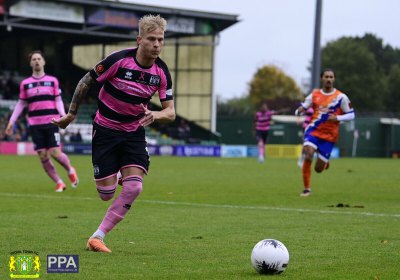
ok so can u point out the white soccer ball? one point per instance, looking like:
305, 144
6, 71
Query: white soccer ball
270, 256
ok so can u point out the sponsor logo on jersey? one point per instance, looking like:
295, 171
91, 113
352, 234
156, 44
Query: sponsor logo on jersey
128, 75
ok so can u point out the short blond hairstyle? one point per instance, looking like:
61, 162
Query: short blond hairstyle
149, 23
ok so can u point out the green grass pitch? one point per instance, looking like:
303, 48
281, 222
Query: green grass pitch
199, 218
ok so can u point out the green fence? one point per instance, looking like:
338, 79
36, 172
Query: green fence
363, 137
239, 130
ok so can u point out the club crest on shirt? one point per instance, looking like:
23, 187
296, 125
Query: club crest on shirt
154, 80
99, 69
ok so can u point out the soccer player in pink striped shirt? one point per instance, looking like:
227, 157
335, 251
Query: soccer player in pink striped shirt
262, 124
41, 94
128, 79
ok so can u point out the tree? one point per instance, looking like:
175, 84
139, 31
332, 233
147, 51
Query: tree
385, 56
235, 106
392, 99
358, 72
367, 70
270, 83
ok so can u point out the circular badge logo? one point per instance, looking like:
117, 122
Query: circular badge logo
100, 68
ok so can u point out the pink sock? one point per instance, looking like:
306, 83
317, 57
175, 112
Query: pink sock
50, 170
261, 150
64, 161
131, 188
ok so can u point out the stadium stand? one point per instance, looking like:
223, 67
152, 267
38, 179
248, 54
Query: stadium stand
75, 35
156, 134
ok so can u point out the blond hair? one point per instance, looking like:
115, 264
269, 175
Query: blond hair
149, 23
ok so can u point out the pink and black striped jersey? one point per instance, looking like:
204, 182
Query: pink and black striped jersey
40, 95
263, 120
125, 85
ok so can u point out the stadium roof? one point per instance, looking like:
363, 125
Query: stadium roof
91, 21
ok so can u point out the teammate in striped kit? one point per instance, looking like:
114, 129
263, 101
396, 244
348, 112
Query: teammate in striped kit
41, 94
262, 123
331, 107
129, 78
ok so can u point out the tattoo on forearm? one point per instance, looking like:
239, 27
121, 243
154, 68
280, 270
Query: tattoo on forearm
80, 92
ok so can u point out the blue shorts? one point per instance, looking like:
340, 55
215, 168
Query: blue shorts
323, 147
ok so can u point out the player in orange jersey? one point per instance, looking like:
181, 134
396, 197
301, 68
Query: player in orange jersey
331, 106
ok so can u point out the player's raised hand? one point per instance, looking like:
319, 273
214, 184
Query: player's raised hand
64, 121
149, 116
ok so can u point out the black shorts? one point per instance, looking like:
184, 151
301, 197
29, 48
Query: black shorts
262, 134
114, 149
45, 136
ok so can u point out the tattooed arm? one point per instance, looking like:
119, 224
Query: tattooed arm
80, 92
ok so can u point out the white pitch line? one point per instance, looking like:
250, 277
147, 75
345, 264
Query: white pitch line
46, 196
282, 209
206, 205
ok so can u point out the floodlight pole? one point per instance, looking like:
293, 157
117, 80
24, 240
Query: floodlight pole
316, 66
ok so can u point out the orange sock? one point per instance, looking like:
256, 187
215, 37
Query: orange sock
306, 170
